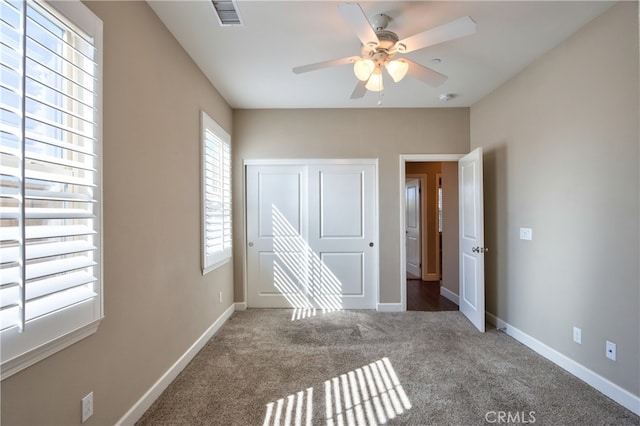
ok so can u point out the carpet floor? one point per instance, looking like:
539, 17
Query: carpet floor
278, 367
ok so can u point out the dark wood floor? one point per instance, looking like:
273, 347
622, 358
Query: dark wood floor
425, 296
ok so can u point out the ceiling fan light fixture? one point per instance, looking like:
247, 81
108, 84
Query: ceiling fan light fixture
363, 68
375, 81
397, 69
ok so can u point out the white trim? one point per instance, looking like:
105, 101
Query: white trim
404, 158
216, 265
445, 292
142, 405
390, 307
27, 359
240, 306
605, 386
306, 161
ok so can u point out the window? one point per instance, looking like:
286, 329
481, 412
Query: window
216, 195
50, 177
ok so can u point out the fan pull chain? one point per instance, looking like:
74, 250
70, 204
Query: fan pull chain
380, 95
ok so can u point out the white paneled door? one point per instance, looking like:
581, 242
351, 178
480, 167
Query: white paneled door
471, 238
312, 235
412, 232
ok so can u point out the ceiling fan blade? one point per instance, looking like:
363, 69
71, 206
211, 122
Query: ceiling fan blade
324, 64
459, 28
357, 20
424, 74
359, 91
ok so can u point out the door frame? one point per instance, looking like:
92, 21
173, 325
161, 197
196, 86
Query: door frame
411, 158
309, 161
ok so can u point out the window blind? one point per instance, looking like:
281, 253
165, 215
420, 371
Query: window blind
216, 194
49, 172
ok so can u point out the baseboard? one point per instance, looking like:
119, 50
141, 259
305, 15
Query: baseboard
605, 386
241, 306
390, 307
142, 405
445, 292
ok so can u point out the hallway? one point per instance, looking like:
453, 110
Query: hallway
425, 296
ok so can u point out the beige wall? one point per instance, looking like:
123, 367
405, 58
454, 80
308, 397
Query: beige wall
156, 301
352, 133
561, 157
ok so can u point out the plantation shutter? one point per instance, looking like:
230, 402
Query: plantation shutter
216, 194
49, 204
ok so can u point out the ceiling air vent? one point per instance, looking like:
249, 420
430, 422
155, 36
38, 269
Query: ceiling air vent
227, 12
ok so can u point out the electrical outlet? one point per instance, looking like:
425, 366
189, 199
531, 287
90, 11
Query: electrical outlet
87, 407
577, 335
610, 348
220, 298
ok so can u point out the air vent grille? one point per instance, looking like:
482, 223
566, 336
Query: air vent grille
227, 12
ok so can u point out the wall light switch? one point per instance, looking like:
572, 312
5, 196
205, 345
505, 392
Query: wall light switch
526, 233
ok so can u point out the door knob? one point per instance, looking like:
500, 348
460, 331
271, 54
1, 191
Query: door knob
371, 244
250, 244
479, 249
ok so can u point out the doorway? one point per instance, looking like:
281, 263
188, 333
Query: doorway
431, 194
471, 249
439, 280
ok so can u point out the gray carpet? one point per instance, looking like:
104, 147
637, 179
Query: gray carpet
363, 367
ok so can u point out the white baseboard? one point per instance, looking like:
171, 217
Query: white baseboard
241, 306
142, 405
610, 389
445, 292
390, 307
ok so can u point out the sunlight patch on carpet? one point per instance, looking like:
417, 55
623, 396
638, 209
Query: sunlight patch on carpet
370, 395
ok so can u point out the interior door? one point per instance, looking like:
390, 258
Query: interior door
412, 231
312, 236
472, 238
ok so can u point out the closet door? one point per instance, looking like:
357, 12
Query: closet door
276, 232
312, 235
342, 232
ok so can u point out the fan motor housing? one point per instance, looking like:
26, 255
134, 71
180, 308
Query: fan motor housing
385, 49
388, 39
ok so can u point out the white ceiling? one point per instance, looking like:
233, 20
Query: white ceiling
250, 65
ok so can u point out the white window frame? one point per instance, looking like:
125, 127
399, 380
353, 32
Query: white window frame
215, 138
44, 336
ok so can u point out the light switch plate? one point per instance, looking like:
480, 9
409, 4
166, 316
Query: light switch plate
526, 233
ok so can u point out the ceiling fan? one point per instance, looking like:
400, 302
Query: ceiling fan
380, 46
